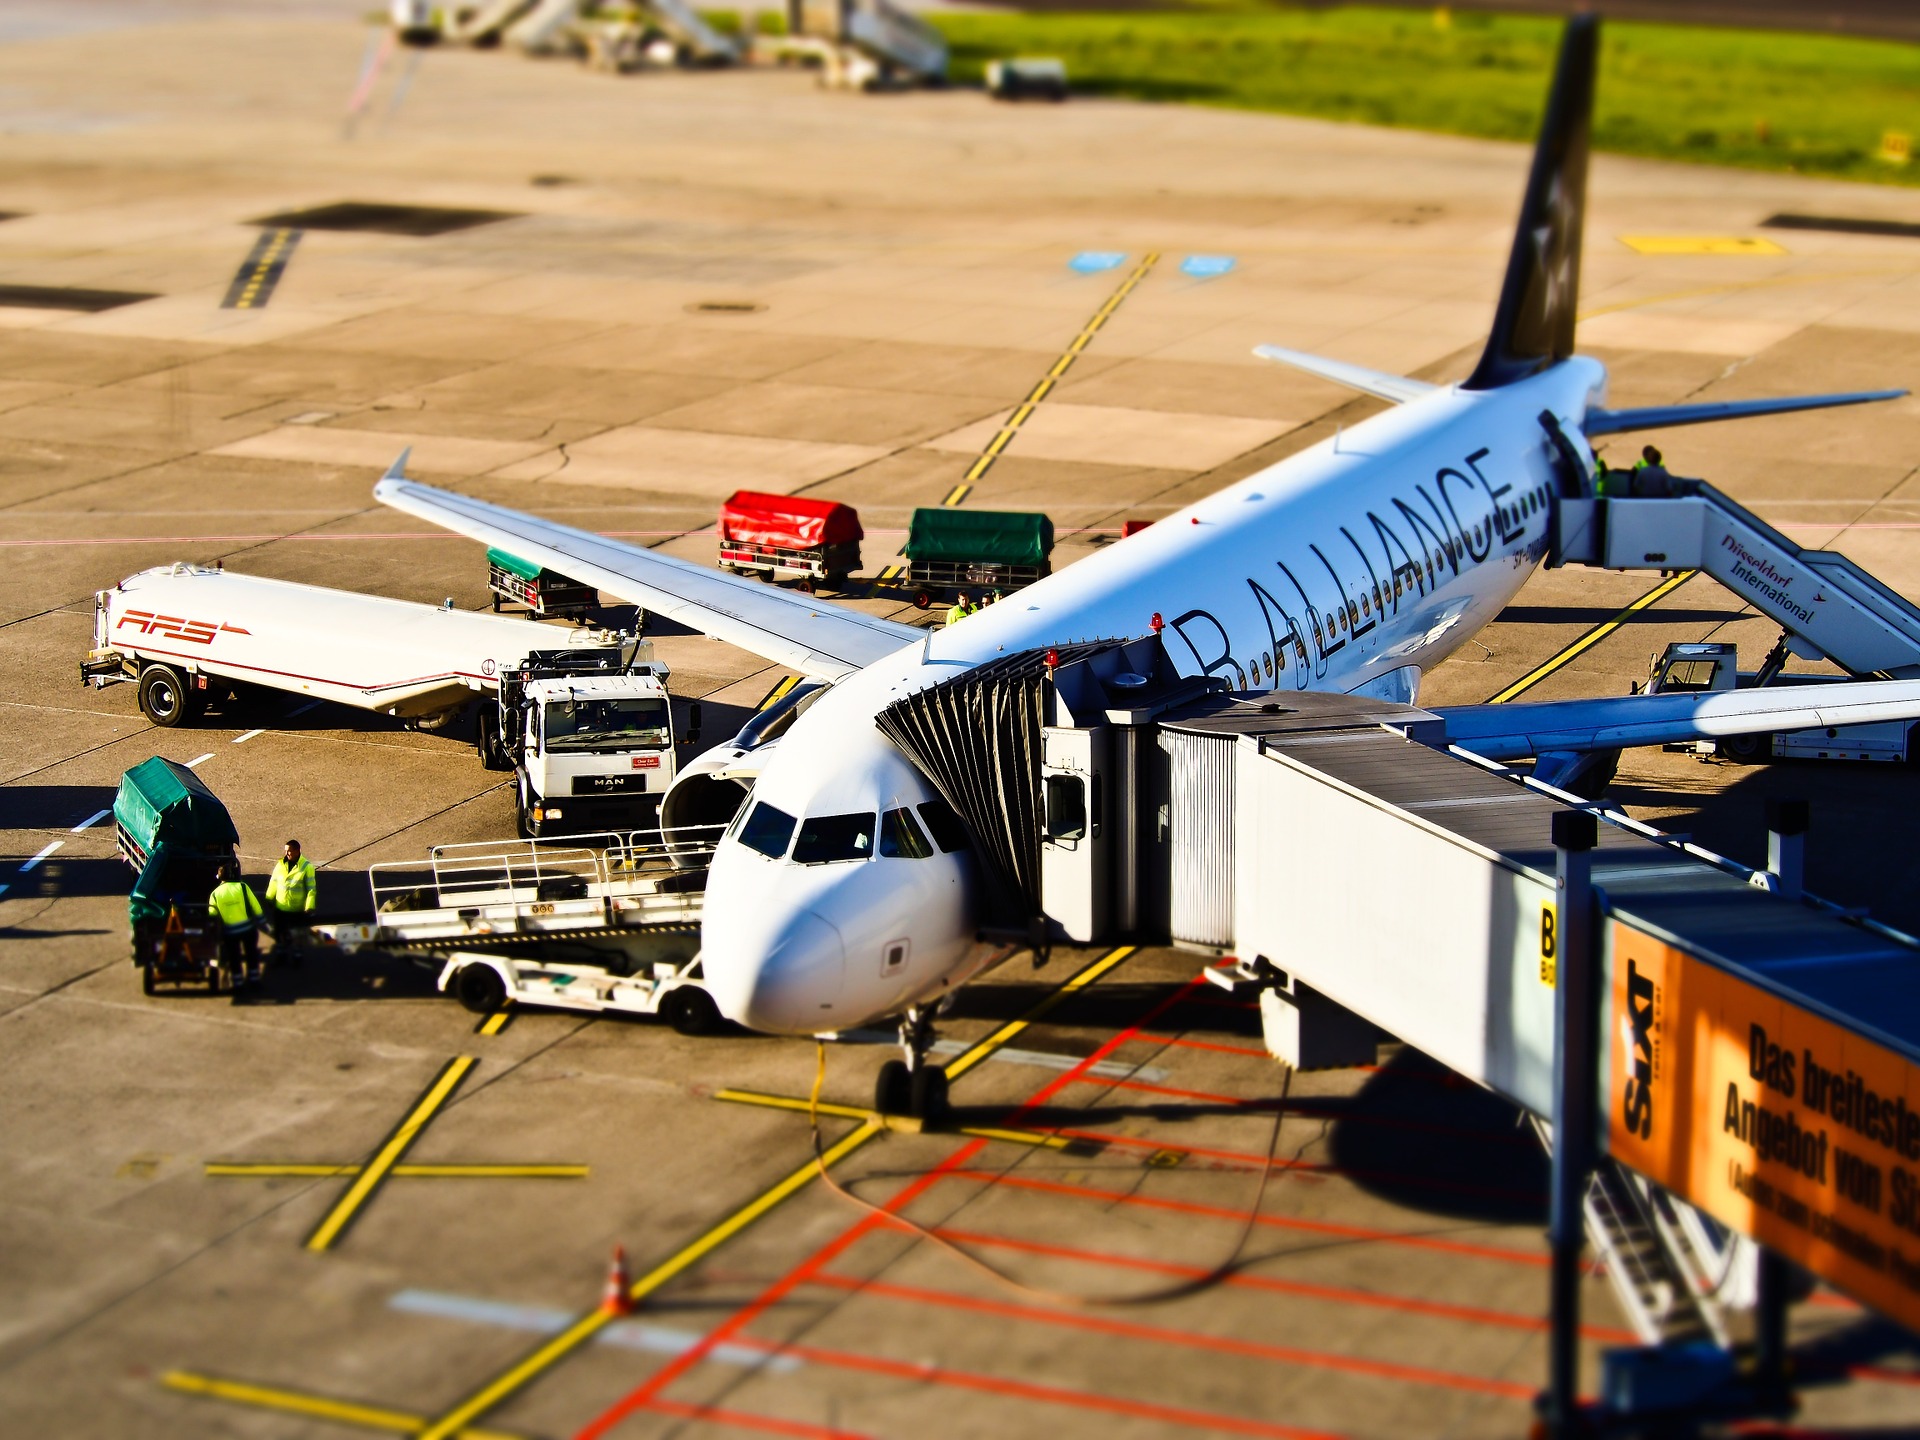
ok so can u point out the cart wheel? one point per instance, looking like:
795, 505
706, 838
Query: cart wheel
893, 1090
927, 1093
690, 1010
804, 586
147, 983
479, 988
922, 599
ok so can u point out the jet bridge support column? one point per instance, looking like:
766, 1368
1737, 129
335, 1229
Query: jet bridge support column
1575, 1012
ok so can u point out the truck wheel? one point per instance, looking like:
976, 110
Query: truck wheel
1746, 749
147, 985
479, 988
165, 698
690, 1010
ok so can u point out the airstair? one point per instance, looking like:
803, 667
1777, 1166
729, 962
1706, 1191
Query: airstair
864, 44
1828, 606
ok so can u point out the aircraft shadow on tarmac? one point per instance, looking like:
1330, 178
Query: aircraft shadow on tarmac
1108, 1007
1600, 614
51, 807
63, 877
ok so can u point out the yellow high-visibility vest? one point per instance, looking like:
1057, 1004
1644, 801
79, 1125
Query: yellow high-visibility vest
292, 887
236, 905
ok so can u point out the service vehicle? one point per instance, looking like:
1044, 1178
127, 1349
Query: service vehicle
586, 726
176, 835
603, 923
546, 594
950, 550
789, 537
1712, 665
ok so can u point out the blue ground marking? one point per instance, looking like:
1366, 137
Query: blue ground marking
1092, 262
540, 1320
1206, 267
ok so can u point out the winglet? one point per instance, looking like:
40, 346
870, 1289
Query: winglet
1397, 388
398, 469
1533, 327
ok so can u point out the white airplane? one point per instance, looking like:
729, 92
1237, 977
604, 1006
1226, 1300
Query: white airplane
846, 890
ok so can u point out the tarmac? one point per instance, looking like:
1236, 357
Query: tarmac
706, 281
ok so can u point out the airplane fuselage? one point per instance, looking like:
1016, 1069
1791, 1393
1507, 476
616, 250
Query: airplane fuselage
1358, 563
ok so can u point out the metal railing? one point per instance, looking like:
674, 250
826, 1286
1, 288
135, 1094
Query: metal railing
485, 872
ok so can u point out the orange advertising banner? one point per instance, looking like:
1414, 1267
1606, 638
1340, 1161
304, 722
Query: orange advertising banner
1778, 1123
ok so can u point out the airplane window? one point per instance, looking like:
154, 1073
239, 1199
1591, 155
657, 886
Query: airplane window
900, 837
825, 839
944, 825
767, 830
1267, 659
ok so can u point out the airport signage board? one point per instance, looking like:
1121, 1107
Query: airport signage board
1775, 1121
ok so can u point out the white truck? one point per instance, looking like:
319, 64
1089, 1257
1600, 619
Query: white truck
1707, 665
586, 725
611, 923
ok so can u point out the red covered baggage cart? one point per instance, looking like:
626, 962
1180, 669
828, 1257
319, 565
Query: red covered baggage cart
789, 537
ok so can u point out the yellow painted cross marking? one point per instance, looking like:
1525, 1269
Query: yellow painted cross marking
1702, 245
587, 1326
294, 1402
274, 1169
342, 1215
1592, 638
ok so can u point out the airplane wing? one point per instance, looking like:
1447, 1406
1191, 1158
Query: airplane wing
821, 640
1516, 732
1655, 417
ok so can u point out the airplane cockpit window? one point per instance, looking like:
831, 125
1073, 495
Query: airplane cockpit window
901, 838
825, 839
945, 826
768, 830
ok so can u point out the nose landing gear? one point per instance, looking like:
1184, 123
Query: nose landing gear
913, 1086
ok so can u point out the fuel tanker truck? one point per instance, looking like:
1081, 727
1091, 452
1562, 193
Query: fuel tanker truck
585, 724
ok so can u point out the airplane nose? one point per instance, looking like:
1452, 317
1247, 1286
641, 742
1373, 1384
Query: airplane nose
791, 988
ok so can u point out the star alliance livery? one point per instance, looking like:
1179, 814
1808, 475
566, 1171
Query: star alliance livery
845, 889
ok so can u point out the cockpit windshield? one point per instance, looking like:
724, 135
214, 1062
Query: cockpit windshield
596, 723
767, 830
825, 839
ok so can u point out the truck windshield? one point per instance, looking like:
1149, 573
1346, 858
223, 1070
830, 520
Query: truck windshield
595, 723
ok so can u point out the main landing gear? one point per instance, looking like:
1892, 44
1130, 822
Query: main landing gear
913, 1086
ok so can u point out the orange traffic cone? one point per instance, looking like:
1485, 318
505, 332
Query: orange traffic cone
615, 1300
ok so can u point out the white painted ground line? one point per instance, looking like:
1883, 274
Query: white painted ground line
91, 821
201, 760
242, 739
41, 856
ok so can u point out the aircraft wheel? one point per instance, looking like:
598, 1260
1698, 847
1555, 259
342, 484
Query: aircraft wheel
165, 698
690, 1010
928, 1095
893, 1091
479, 988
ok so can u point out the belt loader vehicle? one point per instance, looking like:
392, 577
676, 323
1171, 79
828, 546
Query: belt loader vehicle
585, 726
605, 923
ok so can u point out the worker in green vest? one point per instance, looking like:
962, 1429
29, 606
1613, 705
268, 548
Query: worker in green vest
960, 609
291, 890
236, 909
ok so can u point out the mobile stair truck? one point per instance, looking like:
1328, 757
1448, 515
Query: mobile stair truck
586, 727
608, 923
788, 537
951, 550
177, 836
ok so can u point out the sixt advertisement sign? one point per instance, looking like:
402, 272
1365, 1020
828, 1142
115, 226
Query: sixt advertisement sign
1776, 1122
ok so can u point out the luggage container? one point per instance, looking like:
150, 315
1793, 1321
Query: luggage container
951, 550
176, 835
545, 594
788, 537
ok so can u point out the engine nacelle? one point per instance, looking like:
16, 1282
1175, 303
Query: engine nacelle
710, 791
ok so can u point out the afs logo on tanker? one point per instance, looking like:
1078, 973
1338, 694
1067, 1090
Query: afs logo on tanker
173, 627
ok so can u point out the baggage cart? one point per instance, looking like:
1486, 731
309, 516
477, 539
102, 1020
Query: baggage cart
176, 835
789, 537
952, 550
545, 594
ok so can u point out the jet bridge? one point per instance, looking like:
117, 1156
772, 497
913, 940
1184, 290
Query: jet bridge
1827, 605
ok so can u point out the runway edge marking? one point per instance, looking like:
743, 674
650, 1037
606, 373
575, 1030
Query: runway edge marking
490, 1395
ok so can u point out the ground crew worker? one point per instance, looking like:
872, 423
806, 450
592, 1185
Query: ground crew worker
1650, 478
960, 609
237, 909
291, 891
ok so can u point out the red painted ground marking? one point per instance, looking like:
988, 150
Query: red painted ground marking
1879, 1372
1305, 1109
645, 1394
740, 1420
1247, 1160
1253, 1050
1407, 1304
1278, 1222
1162, 1335
1012, 1389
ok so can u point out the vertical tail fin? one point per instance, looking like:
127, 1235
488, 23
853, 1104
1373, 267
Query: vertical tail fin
1533, 328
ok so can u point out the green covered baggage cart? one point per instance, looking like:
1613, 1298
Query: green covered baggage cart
951, 550
176, 835
545, 594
